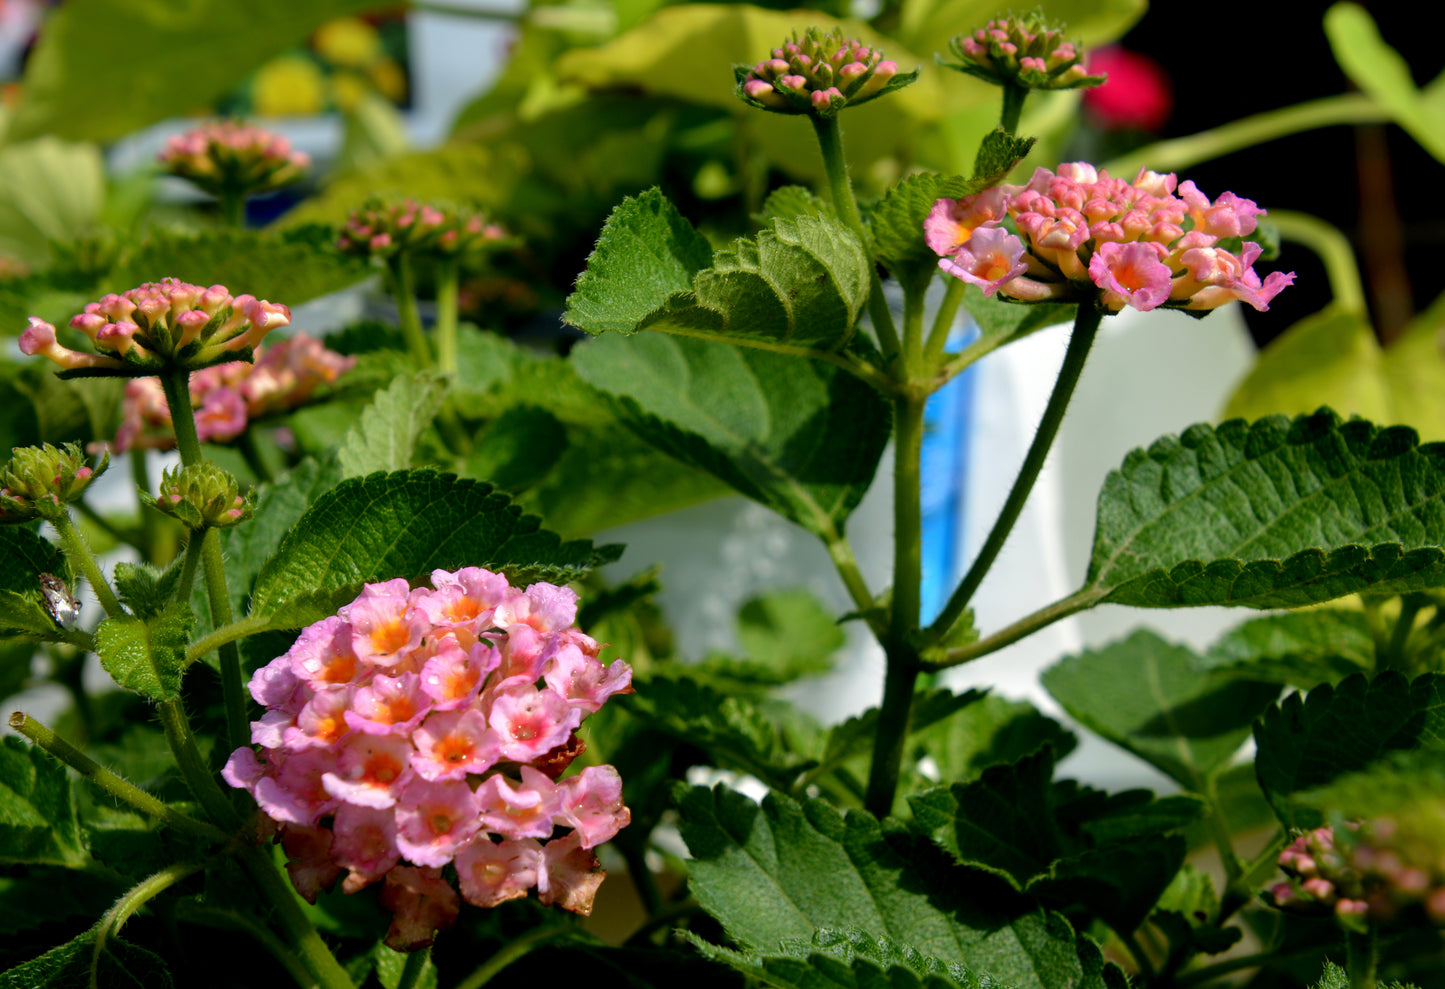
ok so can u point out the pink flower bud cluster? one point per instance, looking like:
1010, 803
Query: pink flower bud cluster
1370, 872
229, 156
1021, 51
428, 726
160, 324
1083, 235
39, 481
226, 397
381, 230
819, 74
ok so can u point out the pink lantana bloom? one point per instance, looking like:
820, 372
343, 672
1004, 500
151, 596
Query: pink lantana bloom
418, 725
1084, 236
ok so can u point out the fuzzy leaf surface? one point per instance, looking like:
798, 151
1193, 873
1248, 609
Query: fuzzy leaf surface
1158, 701
1271, 514
406, 524
119, 965
147, 655
24, 556
801, 437
1310, 740
1300, 648
38, 823
384, 437
781, 871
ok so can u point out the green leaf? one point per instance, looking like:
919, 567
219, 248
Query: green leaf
38, 825
791, 629
1300, 648
406, 524
1335, 977
50, 190
1188, 914
1400, 786
385, 436
896, 223
389, 966
1273, 514
782, 871
992, 731
791, 202
210, 46
147, 655
24, 556
517, 449
802, 282
144, 589
1158, 701
1308, 741
998, 154
1001, 322
118, 965
801, 437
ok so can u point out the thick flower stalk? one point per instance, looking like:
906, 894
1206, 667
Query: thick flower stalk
1028, 52
382, 230
1082, 235
424, 727
227, 397
39, 481
227, 157
161, 326
1375, 872
819, 74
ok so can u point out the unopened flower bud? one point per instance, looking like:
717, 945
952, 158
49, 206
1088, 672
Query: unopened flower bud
1027, 52
230, 157
201, 496
380, 230
39, 481
818, 74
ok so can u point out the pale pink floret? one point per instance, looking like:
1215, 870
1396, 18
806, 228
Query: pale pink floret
991, 257
583, 680
221, 416
276, 685
453, 676
370, 770
1131, 274
450, 745
591, 804
383, 627
39, 338
953, 221
389, 705
492, 873
569, 875
523, 653
518, 810
323, 653
531, 722
434, 820
365, 844
322, 721
270, 731
545, 607
293, 791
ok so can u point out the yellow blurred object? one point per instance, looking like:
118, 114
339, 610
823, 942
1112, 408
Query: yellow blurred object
348, 43
348, 89
290, 85
389, 79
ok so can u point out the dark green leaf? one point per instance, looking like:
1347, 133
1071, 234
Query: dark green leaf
791, 202
1307, 742
1188, 911
1158, 701
992, 731
44, 896
1388, 787
406, 524
1337, 978
385, 436
998, 153
147, 655
118, 965
518, 448
1271, 514
784, 871
802, 437
145, 589
24, 556
1301, 648
37, 809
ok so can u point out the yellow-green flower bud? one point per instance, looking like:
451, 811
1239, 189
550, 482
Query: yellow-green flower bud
39, 481
201, 496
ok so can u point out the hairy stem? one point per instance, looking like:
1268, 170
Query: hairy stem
226, 633
943, 321
81, 558
177, 387
840, 551
137, 897
193, 766
412, 970
1361, 956
324, 967
1013, 107
232, 688
1080, 600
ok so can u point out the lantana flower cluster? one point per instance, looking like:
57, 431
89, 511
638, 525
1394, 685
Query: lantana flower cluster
227, 156
39, 481
226, 397
424, 727
1021, 51
1080, 234
819, 74
382, 230
159, 325
1370, 872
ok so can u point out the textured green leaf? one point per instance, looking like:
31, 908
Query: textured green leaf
801, 437
24, 556
1000, 322
518, 448
77, 963
896, 223
43, 896
406, 524
210, 46
1271, 514
992, 731
147, 655
145, 590
1308, 741
38, 825
385, 436
1335, 977
1160, 702
998, 153
781, 871
791, 202
50, 190
803, 281
1301, 648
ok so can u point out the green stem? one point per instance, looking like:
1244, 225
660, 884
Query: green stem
1361, 956
899, 681
514, 949
1140, 956
1394, 657
233, 207
80, 557
232, 688
446, 324
1333, 249
122, 789
1080, 600
1219, 829
1182, 152
227, 633
943, 322
193, 766
1086, 327
251, 453
840, 551
189, 563
411, 972
830, 142
318, 958
403, 289
177, 387
150, 522
137, 897
1013, 107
